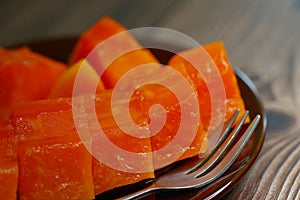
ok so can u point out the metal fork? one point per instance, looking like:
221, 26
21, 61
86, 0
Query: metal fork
197, 172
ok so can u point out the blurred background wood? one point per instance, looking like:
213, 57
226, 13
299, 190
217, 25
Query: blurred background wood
262, 38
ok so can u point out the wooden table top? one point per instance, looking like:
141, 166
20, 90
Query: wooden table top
262, 38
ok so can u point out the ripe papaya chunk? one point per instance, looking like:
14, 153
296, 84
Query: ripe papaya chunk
8, 161
217, 52
84, 73
58, 123
55, 168
169, 105
119, 158
115, 55
54, 163
100, 31
24, 76
234, 100
182, 136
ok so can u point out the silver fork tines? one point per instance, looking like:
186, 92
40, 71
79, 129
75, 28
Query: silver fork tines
219, 151
226, 131
193, 173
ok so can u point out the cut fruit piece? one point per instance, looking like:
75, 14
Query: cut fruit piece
119, 158
58, 124
106, 178
55, 168
53, 160
8, 161
25, 75
82, 72
111, 50
123, 64
169, 104
233, 99
100, 31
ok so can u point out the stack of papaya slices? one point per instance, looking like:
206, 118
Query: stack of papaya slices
51, 159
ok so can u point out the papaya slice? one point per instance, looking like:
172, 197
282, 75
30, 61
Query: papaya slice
25, 75
233, 99
58, 124
100, 31
88, 79
182, 136
171, 113
56, 173
115, 55
8, 161
54, 163
128, 169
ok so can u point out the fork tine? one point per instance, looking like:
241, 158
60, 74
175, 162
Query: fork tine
233, 153
216, 154
226, 131
222, 150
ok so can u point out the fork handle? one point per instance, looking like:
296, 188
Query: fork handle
139, 193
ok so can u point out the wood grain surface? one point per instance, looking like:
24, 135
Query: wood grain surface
262, 38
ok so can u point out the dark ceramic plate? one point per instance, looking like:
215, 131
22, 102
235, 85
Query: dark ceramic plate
60, 49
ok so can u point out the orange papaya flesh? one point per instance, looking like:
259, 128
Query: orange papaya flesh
111, 63
53, 161
156, 94
188, 144
233, 100
56, 173
84, 73
100, 31
61, 117
8, 161
45, 125
123, 64
24, 76
60, 107
35, 108
109, 177
108, 122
